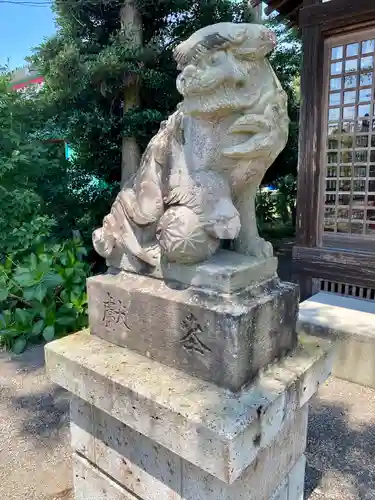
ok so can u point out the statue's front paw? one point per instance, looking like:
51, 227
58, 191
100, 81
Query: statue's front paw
103, 242
152, 254
262, 249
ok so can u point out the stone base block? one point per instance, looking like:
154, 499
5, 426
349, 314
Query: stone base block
224, 272
90, 483
350, 323
149, 471
224, 339
292, 488
203, 435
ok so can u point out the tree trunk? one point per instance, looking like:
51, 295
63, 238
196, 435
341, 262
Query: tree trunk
131, 23
257, 13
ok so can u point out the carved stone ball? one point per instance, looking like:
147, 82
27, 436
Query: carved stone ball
183, 238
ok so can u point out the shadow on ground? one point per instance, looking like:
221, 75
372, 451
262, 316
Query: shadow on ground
341, 450
44, 413
41, 408
29, 361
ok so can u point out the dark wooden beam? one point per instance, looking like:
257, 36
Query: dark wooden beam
307, 3
353, 268
336, 11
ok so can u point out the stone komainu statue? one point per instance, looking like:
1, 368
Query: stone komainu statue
199, 175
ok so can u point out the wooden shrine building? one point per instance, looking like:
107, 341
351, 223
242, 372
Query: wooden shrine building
335, 247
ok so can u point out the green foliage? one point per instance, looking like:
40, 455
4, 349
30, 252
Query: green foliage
35, 199
279, 206
22, 223
286, 60
266, 207
43, 295
286, 197
88, 66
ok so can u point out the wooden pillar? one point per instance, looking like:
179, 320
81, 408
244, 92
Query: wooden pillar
131, 23
308, 193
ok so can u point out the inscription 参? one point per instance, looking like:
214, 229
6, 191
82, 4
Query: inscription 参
190, 340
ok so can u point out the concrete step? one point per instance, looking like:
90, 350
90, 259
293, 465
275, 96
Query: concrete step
350, 322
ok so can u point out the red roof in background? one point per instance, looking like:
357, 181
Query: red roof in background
16, 85
25, 76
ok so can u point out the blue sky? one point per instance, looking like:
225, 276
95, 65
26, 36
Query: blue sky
21, 28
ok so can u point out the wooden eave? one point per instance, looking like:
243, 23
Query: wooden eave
328, 15
287, 8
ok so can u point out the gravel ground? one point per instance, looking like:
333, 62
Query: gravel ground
35, 453
34, 439
341, 443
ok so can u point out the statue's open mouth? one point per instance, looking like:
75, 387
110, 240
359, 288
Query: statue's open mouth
210, 87
197, 87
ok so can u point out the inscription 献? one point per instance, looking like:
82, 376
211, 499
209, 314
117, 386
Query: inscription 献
191, 330
115, 314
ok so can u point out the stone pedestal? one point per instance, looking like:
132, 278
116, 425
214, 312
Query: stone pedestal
193, 387
219, 337
146, 431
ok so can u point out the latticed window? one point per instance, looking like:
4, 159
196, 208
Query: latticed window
349, 130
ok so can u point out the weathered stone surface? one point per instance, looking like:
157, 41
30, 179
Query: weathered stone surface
256, 481
92, 484
292, 486
199, 176
144, 467
350, 323
224, 272
214, 429
152, 472
222, 339
296, 480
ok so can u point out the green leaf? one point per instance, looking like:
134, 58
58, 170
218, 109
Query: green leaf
29, 293
81, 251
66, 308
19, 345
37, 328
24, 277
2, 321
11, 332
49, 333
40, 309
66, 320
4, 292
8, 263
69, 272
33, 261
53, 280
22, 316
40, 292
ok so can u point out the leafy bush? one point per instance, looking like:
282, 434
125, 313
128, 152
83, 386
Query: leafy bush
266, 207
278, 206
22, 223
286, 197
43, 295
